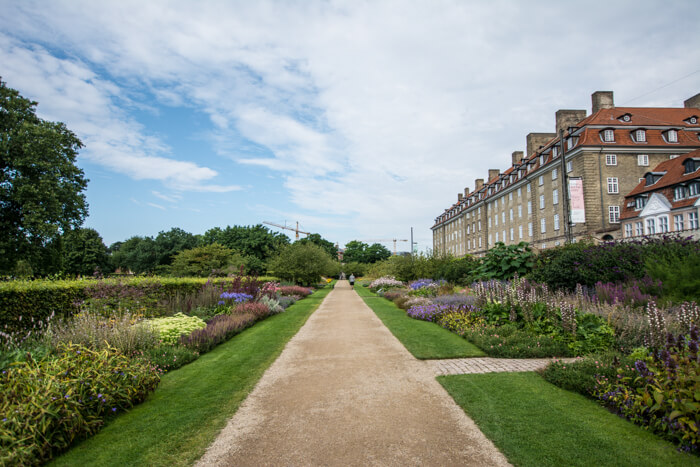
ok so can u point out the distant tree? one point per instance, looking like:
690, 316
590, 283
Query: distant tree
302, 263
203, 261
169, 243
316, 239
257, 244
376, 252
356, 251
41, 188
136, 254
84, 252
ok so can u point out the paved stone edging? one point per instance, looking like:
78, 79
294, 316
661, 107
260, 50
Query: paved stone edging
460, 366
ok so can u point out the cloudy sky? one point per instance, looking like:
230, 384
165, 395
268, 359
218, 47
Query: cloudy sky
358, 119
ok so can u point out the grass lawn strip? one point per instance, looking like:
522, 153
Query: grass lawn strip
423, 339
535, 423
191, 405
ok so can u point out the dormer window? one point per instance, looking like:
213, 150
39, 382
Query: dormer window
639, 202
555, 151
541, 159
672, 136
692, 120
640, 136
694, 189
608, 136
679, 193
691, 165
653, 177
571, 142
626, 118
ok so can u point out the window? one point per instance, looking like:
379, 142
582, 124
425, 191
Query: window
479, 226
639, 203
643, 160
651, 226
611, 159
489, 222
503, 217
673, 156
529, 207
504, 235
679, 192
569, 166
520, 231
543, 225
694, 189
556, 222
510, 196
614, 214
511, 234
520, 191
628, 230
555, 151
468, 232
541, 160
469, 244
520, 210
555, 196
511, 214
672, 136
529, 229
638, 229
612, 185
540, 181
640, 136
608, 136
528, 188
663, 224
692, 220
541, 201
678, 222
554, 174
479, 242
496, 236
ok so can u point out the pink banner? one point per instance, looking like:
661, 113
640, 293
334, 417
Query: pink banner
578, 208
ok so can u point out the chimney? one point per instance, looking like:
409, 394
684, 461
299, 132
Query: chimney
566, 118
494, 173
478, 184
693, 102
466, 192
459, 197
602, 100
536, 140
517, 156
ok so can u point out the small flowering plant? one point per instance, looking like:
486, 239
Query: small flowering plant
386, 282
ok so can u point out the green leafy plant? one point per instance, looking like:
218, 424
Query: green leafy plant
47, 404
172, 327
581, 375
503, 262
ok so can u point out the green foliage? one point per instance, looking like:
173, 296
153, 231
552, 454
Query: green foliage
257, 244
581, 375
508, 341
204, 261
170, 328
137, 254
316, 239
360, 252
302, 263
680, 275
40, 185
84, 253
49, 403
459, 321
559, 267
503, 262
458, 270
354, 268
167, 357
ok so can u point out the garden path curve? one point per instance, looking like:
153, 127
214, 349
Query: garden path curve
345, 392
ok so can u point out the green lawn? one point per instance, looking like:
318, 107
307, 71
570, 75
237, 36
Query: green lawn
423, 339
192, 404
535, 423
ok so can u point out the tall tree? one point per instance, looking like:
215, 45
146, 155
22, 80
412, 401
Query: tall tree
257, 244
84, 252
169, 243
316, 239
40, 185
136, 254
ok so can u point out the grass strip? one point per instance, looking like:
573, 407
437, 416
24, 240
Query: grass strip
535, 423
423, 339
191, 405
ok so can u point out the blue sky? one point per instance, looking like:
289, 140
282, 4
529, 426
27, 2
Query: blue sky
358, 119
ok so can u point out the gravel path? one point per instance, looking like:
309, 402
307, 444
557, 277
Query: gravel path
345, 392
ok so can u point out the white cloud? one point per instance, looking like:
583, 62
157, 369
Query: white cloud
379, 112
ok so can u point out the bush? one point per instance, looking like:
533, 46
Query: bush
172, 327
664, 394
272, 304
218, 330
503, 262
286, 301
302, 263
680, 275
257, 309
293, 291
455, 300
386, 282
508, 341
458, 270
630, 292
459, 320
124, 333
428, 312
581, 376
49, 403
166, 357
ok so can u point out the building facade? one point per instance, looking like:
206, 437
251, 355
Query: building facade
666, 200
603, 156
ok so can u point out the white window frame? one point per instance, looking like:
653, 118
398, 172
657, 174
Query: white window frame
643, 160
510, 196
528, 188
529, 229
529, 207
512, 236
692, 220
614, 214
555, 196
520, 210
639, 228
543, 225
520, 232
679, 192
678, 222
609, 136
611, 159
672, 136
640, 136
663, 224
540, 181
628, 230
511, 214
613, 186
650, 226
555, 172
556, 222
541, 201
569, 166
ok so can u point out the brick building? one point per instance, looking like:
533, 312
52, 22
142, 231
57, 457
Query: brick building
603, 156
666, 200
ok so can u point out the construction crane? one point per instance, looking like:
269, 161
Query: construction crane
387, 240
289, 228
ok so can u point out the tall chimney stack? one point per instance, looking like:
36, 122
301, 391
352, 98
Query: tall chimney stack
459, 197
516, 157
602, 100
535, 140
566, 118
693, 102
478, 184
466, 192
493, 173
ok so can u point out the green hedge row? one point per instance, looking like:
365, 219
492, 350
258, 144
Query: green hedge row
25, 303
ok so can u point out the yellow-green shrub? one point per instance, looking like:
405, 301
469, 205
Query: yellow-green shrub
172, 327
45, 405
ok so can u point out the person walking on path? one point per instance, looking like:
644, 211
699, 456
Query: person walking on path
352, 280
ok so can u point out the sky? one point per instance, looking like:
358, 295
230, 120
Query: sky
358, 119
